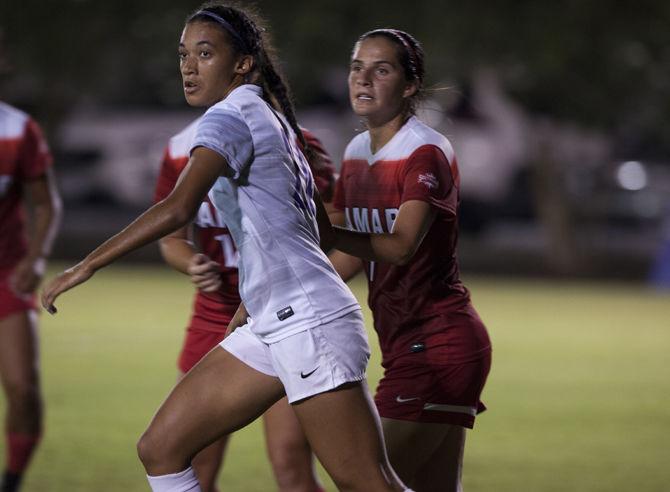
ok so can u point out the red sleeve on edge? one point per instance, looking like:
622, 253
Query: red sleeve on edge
338, 197
428, 177
321, 166
168, 175
34, 155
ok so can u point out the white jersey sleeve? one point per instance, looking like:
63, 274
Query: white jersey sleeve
237, 147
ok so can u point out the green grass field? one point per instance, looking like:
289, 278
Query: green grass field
578, 397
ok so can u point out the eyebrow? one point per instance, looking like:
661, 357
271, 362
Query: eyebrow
378, 62
182, 45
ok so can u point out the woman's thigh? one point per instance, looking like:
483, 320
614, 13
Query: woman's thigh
218, 396
19, 349
344, 431
425, 453
283, 431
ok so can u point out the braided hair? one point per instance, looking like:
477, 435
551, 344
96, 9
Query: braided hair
248, 37
410, 55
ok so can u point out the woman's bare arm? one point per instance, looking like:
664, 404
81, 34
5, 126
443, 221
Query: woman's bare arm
397, 247
168, 215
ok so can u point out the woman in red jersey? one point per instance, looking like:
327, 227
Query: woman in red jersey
211, 262
25, 176
398, 196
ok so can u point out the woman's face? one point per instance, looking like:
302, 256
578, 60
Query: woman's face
378, 90
208, 65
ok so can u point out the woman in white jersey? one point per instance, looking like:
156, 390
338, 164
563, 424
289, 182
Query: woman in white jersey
211, 263
304, 336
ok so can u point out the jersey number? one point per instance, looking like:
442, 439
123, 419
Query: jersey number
230, 254
304, 182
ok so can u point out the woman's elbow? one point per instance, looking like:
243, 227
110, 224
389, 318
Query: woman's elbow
165, 246
401, 260
51, 209
402, 255
176, 214
57, 207
180, 217
327, 239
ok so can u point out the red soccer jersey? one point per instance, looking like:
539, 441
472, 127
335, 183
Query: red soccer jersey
24, 156
213, 311
423, 301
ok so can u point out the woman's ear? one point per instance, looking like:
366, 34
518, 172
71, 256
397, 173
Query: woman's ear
245, 65
410, 89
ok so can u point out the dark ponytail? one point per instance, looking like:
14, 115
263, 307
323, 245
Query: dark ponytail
277, 93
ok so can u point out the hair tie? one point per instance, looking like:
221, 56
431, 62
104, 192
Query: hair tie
225, 24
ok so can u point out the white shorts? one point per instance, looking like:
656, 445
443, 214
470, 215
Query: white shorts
310, 362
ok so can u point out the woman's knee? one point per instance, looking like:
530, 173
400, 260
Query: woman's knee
347, 482
292, 463
144, 448
161, 453
151, 450
23, 393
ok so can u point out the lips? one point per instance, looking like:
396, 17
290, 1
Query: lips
190, 86
364, 97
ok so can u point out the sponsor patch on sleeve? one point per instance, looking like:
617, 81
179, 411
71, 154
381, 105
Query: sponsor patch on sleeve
428, 180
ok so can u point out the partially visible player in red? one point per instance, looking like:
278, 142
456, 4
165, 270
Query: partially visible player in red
398, 196
25, 176
211, 262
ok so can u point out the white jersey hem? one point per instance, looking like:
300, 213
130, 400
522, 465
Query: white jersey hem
308, 324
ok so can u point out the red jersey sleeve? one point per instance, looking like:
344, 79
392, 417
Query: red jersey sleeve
338, 197
428, 177
34, 156
167, 177
321, 166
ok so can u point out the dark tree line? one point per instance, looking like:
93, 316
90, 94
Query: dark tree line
602, 64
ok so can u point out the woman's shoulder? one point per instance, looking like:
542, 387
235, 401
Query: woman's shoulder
13, 120
238, 99
180, 144
358, 147
419, 134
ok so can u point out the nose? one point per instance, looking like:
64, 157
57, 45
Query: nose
363, 78
188, 65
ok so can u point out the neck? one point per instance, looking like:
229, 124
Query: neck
382, 133
234, 85
236, 82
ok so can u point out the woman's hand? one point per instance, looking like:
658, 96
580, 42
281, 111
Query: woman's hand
70, 278
204, 273
27, 275
238, 320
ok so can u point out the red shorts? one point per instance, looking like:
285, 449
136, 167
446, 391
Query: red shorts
197, 343
11, 303
420, 387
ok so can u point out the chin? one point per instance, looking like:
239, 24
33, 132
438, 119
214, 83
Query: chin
196, 102
191, 100
362, 112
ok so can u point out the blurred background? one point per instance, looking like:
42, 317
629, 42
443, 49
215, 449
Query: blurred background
559, 113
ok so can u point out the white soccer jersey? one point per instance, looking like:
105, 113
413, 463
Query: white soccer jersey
286, 282
179, 146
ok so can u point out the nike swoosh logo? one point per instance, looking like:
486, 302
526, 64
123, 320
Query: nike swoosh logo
400, 399
303, 375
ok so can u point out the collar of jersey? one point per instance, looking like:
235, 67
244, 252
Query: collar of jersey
389, 146
246, 87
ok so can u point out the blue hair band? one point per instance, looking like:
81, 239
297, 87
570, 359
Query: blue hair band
223, 23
